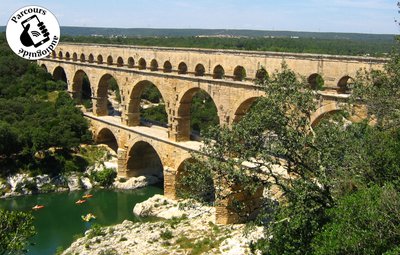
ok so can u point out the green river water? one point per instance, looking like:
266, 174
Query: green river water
60, 220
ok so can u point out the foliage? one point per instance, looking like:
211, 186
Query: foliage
166, 234
96, 230
366, 222
105, 177
15, 230
36, 116
203, 112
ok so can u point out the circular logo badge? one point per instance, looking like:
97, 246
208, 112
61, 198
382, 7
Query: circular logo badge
33, 32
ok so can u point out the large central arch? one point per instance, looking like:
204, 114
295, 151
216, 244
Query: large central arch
183, 128
104, 106
133, 114
143, 159
59, 74
81, 88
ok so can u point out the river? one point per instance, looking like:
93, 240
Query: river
60, 220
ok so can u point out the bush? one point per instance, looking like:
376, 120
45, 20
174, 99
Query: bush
95, 231
105, 178
366, 222
165, 235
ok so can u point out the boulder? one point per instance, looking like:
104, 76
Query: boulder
74, 182
136, 182
86, 183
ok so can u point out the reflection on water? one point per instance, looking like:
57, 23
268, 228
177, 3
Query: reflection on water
61, 220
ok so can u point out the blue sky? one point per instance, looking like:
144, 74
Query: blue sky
361, 16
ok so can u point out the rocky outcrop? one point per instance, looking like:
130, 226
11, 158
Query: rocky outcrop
186, 226
135, 182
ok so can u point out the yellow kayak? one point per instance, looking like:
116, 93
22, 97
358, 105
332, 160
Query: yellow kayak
88, 217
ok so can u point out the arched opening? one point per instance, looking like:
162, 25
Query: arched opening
82, 58
345, 84
67, 56
199, 70
53, 54
328, 113
154, 65
243, 108
182, 68
196, 113
146, 106
99, 59
131, 62
142, 64
109, 95
81, 89
239, 74
262, 75
167, 67
194, 182
59, 74
109, 60
316, 82
60, 55
120, 62
105, 136
74, 57
143, 160
44, 67
219, 72
91, 58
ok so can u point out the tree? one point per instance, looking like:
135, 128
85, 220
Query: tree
15, 230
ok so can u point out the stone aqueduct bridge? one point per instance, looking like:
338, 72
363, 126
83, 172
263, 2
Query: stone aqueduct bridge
226, 75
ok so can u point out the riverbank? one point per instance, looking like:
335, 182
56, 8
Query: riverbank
104, 166
185, 227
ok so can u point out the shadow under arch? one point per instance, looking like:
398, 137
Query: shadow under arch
193, 182
81, 89
143, 159
134, 105
59, 74
241, 109
107, 137
108, 94
187, 107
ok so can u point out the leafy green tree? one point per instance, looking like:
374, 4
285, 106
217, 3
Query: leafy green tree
16, 228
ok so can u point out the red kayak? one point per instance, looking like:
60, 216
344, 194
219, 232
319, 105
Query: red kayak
37, 207
80, 201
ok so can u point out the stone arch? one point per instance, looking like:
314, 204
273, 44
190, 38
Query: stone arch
99, 59
142, 64
53, 54
219, 72
182, 68
44, 67
345, 84
154, 65
79, 89
102, 95
133, 114
120, 62
131, 62
239, 74
107, 137
59, 74
109, 60
143, 159
91, 58
74, 57
262, 74
322, 112
60, 54
208, 194
199, 70
315, 81
183, 128
82, 58
167, 68
67, 56
242, 108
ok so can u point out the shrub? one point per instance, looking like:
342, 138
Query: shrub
106, 177
167, 234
